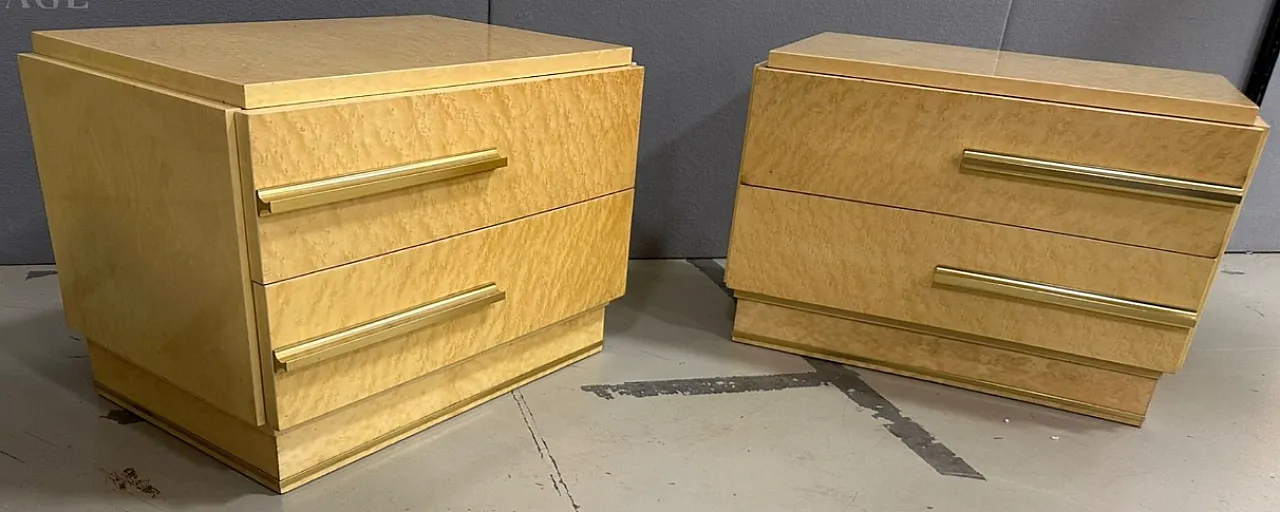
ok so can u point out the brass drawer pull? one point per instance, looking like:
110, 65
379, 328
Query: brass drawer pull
1098, 177
288, 198
325, 347
1057, 295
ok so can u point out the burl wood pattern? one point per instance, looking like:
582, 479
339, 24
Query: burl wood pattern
551, 266
896, 350
1100, 84
283, 461
568, 138
901, 145
141, 190
880, 261
262, 64
321, 446
150, 170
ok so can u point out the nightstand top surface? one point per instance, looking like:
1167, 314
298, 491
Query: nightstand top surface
263, 64
1082, 82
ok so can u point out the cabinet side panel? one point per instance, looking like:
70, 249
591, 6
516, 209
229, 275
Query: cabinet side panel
1231, 228
141, 191
243, 446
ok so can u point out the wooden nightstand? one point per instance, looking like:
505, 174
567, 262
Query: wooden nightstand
1034, 227
294, 243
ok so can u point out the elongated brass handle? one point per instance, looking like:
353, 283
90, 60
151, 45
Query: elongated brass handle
325, 347
1062, 296
1099, 177
288, 198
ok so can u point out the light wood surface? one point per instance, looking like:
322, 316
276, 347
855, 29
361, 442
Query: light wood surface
324, 445
141, 191
1033, 227
880, 261
247, 448
902, 145
938, 332
1099, 84
281, 62
1054, 381
480, 273
320, 447
1230, 229
567, 138
551, 266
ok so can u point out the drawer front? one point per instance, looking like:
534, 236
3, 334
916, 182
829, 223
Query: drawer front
327, 443
344, 334
1100, 300
1053, 382
1136, 179
341, 181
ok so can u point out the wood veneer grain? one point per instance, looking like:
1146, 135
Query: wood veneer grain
141, 188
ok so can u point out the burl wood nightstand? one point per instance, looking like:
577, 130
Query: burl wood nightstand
1040, 228
294, 243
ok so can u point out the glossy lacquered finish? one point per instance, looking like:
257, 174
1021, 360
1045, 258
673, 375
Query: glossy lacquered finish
545, 268
1055, 79
916, 147
487, 153
294, 243
982, 207
884, 262
1038, 378
263, 64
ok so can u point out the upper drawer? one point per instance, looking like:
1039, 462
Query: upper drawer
344, 334
1136, 179
340, 181
1100, 300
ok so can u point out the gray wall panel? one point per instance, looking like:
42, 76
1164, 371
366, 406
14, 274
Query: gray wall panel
1215, 37
1211, 36
698, 57
1258, 228
24, 235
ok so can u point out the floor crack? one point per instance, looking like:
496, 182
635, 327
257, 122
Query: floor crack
12, 456
557, 478
528, 422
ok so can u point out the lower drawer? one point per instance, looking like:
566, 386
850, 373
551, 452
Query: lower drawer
1100, 300
1101, 392
328, 443
347, 333
285, 460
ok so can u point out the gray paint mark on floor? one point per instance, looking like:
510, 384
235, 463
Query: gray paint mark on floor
1211, 442
36, 274
912, 434
846, 379
706, 386
843, 378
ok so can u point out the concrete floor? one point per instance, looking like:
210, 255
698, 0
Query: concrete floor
1211, 442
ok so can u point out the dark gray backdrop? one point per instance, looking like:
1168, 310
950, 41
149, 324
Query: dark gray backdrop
698, 56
